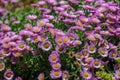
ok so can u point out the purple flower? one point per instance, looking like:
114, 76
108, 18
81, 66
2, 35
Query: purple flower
117, 74
8, 74
36, 29
74, 1
95, 20
1, 55
77, 42
72, 36
16, 54
6, 39
53, 57
31, 17
41, 3
86, 75
101, 9
28, 26
6, 52
65, 75
18, 78
98, 36
41, 76
36, 53
65, 39
6, 45
56, 66
116, 67
15, 38
2, 66
113, 54
46, 45
89, 60
25, 33
105, 44
51, 2
79, 56
80, 12
91, 37
21, 46
103, 52
85, 53
5, 27
43, 38
55, 74
96, 63
79, 23
76, 28
63, 2
49, 25
14, 1
86, 67
16, 22
41, 23
4, 1
89, 1
59, 40
12, 19
91, 48
60, 48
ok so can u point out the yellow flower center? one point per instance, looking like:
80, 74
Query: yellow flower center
92, 38
7, 45
66, 76
36, 40
91, 48
105, 44
8, 75
95, 20
56, 65
113, 54
56, 73
65, 39
41, 23
84, 19
96, 63
119, 74
28, 26
5, 51
102, 52
36, 29
70, 37
52, 32
42, 38
59, 40
54, 58
14, 48
78, 56
1, 55
21, 46
78, 42
80, 23
41, 77
1, 66
18, 53
85, 53
6, 28
61, 49
85, 74
46, 45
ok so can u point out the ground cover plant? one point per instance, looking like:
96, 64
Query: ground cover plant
59, 40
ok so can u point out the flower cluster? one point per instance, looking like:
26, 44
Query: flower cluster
76, 39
